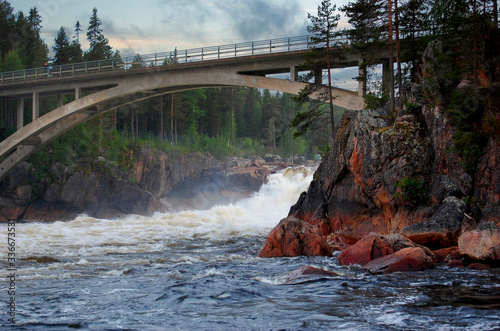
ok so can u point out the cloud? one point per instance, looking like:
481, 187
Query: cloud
243, 20
263, 19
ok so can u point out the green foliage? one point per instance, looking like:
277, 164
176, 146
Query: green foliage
465, 115
12, 61
470, 147
324, 150
374, 100
410, 107
412, 192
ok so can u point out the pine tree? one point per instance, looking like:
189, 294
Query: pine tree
369, 34
99, 45
414, 23
320, 57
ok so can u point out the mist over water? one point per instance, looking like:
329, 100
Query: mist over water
198, 269
87, 236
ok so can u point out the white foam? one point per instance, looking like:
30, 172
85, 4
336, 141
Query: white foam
86, 236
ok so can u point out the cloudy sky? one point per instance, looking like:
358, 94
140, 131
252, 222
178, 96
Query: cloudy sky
149, 26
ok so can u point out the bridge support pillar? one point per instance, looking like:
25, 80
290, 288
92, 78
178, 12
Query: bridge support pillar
78, 93
318, 76
36, 106
60, 100
294, 73
20, 113
361, 79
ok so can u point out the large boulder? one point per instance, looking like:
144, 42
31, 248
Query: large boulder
367, 249
375, 246
294, 237
406, 259
481, 244
443, 228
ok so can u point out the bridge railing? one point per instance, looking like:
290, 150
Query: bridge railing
252, 48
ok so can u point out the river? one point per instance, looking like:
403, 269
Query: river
198, 270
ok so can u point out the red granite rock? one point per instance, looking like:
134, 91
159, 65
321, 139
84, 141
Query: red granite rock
479, 266
293, 237
446, 254
369, 248
481, 244
407, 259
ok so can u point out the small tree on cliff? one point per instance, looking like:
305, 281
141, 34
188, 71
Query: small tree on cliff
319, 57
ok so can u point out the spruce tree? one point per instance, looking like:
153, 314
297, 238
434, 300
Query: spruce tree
61, 48
7, 27
99, 45
37, 52
78, 29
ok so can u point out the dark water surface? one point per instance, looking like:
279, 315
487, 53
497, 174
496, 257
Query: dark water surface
198, 270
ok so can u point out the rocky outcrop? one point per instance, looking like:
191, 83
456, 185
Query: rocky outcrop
405, 173
293, 237
354, 189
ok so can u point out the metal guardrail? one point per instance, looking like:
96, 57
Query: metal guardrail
279, 45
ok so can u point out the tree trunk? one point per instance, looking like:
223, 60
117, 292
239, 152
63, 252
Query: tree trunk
330, 93
495, 13
391, 59
132, 124
137, 124
172, 121
161, 118
398, 47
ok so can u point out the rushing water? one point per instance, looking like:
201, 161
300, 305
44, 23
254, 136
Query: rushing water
198, 270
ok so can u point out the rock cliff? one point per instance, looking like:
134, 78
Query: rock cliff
404, 173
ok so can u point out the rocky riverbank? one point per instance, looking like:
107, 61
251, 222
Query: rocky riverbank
153, 180
401, 192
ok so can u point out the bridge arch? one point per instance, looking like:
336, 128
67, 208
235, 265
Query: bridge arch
135, 85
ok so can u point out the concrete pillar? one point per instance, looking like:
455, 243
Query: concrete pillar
78, 93
318, 76
20, 113
294, 73
60, 100
36, 105
362, 79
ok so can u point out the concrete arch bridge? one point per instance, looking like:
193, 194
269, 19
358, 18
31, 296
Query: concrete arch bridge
117, 83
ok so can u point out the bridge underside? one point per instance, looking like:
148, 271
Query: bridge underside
129, 89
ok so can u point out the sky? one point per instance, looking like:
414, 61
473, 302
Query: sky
150, 26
